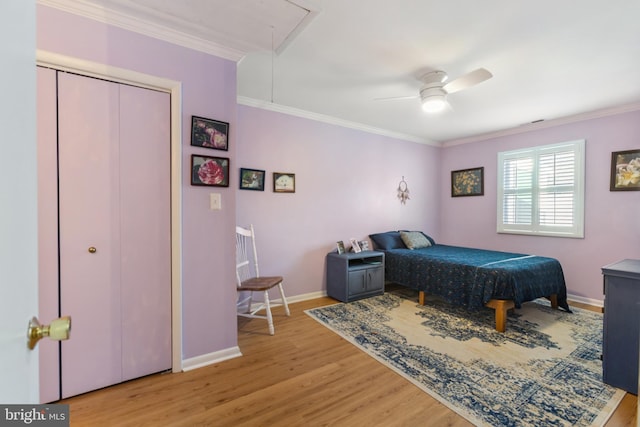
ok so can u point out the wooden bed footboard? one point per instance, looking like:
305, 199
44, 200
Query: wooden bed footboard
501, 306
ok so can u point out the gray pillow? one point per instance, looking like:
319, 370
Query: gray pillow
414, 239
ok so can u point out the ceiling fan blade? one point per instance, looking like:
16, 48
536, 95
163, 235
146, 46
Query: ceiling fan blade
397, 98
468, 80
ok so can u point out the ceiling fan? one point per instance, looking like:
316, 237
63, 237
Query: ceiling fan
435, 89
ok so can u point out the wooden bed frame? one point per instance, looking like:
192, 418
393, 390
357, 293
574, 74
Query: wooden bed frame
501, 306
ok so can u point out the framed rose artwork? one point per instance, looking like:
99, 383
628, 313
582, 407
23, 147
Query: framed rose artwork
209, 171
209, 133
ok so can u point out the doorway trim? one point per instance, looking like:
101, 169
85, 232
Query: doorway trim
174, 88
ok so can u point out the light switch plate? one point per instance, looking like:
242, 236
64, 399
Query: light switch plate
215, 201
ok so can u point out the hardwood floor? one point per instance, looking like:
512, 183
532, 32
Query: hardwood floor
304, 375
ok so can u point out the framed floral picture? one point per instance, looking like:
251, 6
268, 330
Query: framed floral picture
209, 133
251, 179
209, 171
284, 182
625, 170
467, 182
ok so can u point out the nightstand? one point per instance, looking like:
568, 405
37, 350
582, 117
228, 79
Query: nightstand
353, 276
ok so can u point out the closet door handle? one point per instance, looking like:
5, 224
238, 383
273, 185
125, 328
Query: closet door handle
92, 250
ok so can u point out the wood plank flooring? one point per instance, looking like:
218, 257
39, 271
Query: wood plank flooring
304, 375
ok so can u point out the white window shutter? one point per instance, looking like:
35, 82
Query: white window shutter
540, 190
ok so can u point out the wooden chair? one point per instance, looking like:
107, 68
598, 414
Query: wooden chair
249, 279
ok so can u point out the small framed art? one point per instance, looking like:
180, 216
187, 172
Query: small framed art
209, 171
625, 170
355, 247
251, 179
467, 182
284, 182
209, 133
340, 246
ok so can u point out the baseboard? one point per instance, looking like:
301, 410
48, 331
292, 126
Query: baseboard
210, 358
290, 300
306, 297
588, 301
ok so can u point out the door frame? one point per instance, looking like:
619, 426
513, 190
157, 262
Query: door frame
174, 88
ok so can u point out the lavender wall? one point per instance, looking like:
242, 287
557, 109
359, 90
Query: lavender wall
209, 90
346, 182
612, 228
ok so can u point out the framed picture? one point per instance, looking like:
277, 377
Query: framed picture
251, 179
210, 171
354, 245
284, 182
209, 133
625, 170
364, 245
340, 245
467, 182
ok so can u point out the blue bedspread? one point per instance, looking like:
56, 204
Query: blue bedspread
471, 277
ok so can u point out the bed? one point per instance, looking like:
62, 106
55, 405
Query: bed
473, 278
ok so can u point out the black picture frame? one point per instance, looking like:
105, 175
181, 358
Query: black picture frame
252, 179
209, 171
625, 170
467, 182
209, 133
284, 182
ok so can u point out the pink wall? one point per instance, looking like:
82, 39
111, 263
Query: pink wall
209, 90
612, 225
346, 183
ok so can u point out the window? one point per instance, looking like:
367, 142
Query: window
541, 190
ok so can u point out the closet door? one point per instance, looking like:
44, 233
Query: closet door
114, 174
89, 204
49, 351
145, 178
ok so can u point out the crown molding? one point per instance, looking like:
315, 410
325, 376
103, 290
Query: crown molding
528, 127
266, 105
111, 17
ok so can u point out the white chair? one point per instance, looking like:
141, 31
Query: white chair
249, 279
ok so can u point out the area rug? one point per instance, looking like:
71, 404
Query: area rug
545, 370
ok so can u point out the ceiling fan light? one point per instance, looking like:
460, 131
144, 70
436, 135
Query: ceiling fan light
433, 104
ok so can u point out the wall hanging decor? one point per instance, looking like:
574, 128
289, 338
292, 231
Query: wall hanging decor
209, 171
251, 179
625, 170
209, 133
467, 182
403, 191
284, 182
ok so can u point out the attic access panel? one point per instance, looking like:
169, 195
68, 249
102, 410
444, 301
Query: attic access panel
246, 25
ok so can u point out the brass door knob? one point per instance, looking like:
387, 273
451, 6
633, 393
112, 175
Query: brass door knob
58, 330
92, 250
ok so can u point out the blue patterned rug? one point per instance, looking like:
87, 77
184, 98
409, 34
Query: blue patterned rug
545, 370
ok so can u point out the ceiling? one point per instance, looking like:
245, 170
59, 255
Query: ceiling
331, 59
